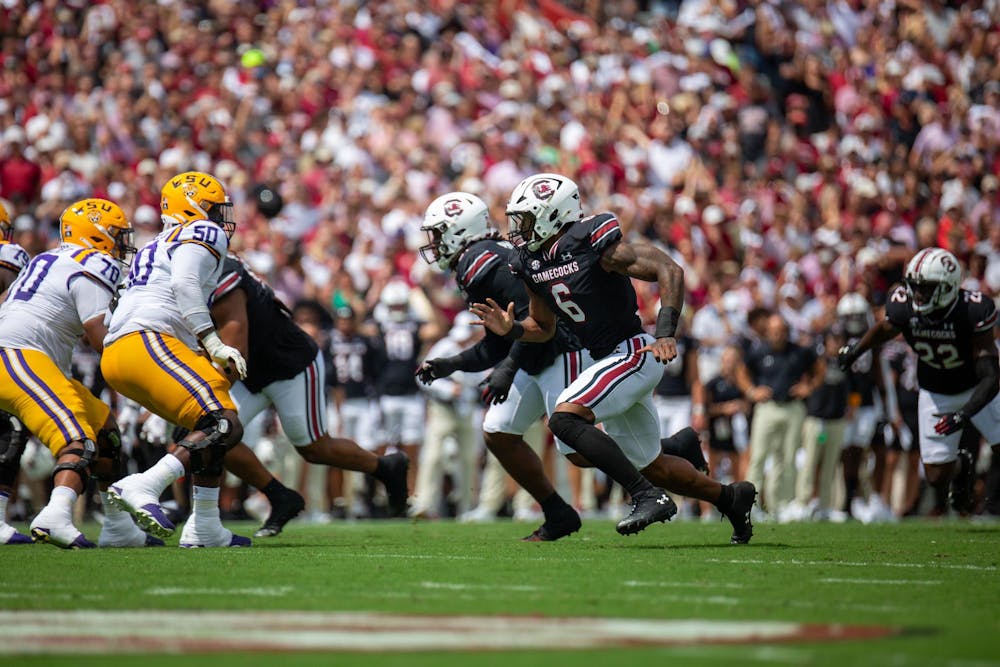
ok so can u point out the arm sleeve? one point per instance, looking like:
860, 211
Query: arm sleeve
988, 374
484, 355
192, 265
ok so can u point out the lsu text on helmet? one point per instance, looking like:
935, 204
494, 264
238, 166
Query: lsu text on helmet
98, 224
540, 206
195, 195
932, 280
453, 221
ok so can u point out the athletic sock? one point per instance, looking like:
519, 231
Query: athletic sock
600, 449
62, 501
381, 469
109, 509
163, 473
4, 497
553, 504
205, 509
273, 488
725, 501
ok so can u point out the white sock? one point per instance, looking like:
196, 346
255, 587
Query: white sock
62, 501
113, 516
4, 496
164, 473
205, 508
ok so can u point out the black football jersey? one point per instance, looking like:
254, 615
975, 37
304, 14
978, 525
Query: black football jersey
861, 379
483, 271
944, 347
278, 348
599, 306
400, 347
674, 381
353, 364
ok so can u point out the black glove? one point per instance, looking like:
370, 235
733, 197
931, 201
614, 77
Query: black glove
949, 422
497, 386
846, 357
433, 369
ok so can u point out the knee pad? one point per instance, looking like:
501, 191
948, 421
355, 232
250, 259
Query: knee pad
221, 435
109, 446
81, 467
13, 438
686, 445
567, 426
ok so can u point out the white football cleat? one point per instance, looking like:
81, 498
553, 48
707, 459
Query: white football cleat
130, 494
10, 535
119, 531
50, 528
195, 538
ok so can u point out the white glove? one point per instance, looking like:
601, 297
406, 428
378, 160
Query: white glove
224, 355
155, 430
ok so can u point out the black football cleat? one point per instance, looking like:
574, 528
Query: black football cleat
744, 497
962, 494
686, 444
285, 506
396, 466
555, 527
648, 507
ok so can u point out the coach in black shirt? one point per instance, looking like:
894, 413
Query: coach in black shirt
777, 376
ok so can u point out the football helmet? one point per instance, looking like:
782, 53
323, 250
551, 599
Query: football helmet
932, 280
395, 298
540, 206
855, 314
453, 221
195, 195
6, 228
98, 224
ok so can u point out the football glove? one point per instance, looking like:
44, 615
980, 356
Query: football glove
949, 422
434, 369
497, 386
846, 357
224, 355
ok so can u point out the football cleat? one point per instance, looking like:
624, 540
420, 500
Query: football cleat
285, 506
192, 538
50, 529
396, 466
127, 495
648, 507
10, 535
962, 495
555, 527
121, 532
744, 497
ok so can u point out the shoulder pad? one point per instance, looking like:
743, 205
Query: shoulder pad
982, 311
203, 233
476, 262
603, 229
13, 257
99, 267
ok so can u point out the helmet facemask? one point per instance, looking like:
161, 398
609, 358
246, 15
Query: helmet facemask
926, 295
6, 231
432, 251
522, 230
221, 213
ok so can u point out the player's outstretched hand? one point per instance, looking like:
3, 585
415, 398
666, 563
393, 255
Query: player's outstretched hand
496, 387
949, 422
432, 369
663, 349
493, 317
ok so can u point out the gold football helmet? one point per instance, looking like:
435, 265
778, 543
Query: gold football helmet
195, 195
98, 224
6, 228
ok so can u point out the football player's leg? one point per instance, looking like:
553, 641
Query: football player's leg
13, 437
36, 391
503, 428
939, 453
608, 389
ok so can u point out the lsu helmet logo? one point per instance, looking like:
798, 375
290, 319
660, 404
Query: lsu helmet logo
543, 189
190, 190
453, 208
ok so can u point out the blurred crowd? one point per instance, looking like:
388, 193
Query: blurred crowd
785, 153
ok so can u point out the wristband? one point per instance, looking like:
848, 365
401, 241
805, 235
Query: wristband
516, 331
666, 322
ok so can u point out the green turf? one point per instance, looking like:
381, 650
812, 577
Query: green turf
938, 581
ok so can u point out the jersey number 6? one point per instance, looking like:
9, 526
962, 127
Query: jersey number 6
560, 292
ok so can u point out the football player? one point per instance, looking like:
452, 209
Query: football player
867, 390
13, 435
958, 372
285, 370
153, 356
62, 295
521, 389
578, 270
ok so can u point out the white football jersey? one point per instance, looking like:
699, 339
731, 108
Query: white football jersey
13, 256
59, 290
148, 302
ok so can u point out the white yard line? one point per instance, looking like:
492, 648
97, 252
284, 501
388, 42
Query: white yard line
882, 582
841, 563
263, 591
476, 587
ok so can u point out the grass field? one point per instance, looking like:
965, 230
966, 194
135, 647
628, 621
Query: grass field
936, 585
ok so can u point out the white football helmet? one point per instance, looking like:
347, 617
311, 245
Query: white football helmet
540, 206
395, 299
932, 280
453, 221
855, 313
